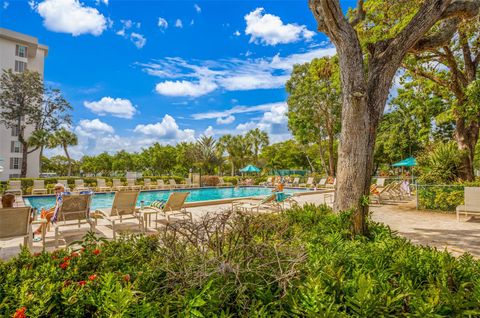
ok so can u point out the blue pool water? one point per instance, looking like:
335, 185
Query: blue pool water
104, 200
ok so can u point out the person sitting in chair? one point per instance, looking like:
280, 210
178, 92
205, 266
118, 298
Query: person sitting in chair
7, 200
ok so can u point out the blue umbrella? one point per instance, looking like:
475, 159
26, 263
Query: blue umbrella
409, 162
250, 168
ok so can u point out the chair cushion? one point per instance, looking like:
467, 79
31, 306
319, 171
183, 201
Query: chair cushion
160, 204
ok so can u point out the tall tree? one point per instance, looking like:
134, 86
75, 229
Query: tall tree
21, 96
64, 139
454, 68
367, 70
226, 143
258, 139
206, 154
39, 139
314, 105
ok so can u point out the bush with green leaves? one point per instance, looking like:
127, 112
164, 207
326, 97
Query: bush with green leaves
440, 164
303, 262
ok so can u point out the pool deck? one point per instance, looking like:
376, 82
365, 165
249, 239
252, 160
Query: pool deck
439, 230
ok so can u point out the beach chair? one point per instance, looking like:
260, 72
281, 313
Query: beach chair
191, 184
118, 186
149, 185
173, 184
123, 208
65, 184
132, 186
267, 203
322, 183
267, 183
223, 183
80, 185
187, 183
295, 182
161, 184
14, 187
39, 187
102, 186
380, 182
174, 206
74, 210
308, 183
471, 202
15, 222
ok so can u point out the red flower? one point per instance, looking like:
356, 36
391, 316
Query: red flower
20, 313
96, 251
66, 258
82, 282
92, 277
64, 265
74, 254
126, 277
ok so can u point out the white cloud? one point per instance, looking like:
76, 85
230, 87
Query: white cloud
185, 88
166, 130
236, 33
197, 8
162, 23
105, 2
235, 110
138, 39
178, 23
116, 107
209, 132
270, 30
225, 120
203, 77
70, 16
5, 5
95, 125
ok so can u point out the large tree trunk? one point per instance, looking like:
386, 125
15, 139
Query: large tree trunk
322, 155
331, 154
41, 155
467, 138
69, 161
21, 139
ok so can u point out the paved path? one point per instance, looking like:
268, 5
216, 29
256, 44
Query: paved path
426, 228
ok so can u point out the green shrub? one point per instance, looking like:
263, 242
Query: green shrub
440, 164
442, 197
302, 263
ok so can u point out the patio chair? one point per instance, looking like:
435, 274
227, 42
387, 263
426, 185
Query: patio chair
175, 206
65, 184
471, 202
149, 185
102, 186
123, 208
267, 203
188, 183
74, 210
191, 184
161, 184
39, 187
132, 186
267, 183
223, 183
173, 184
14, 187
306, 184
118, 186
295, 181
15, 222
80, 185
380, 182
322, 183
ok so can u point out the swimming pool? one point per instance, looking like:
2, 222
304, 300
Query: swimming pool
104, 200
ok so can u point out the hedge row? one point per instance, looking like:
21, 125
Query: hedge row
442, 197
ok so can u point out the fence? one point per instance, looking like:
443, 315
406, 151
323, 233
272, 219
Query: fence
439, 197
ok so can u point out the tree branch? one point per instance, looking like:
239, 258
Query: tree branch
430, 76
360, 16
445, 33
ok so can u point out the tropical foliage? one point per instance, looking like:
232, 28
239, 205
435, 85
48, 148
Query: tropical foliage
304, 262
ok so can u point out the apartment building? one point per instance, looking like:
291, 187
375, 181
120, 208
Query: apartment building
18, 52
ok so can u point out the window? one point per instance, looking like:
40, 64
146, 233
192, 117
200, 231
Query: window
21, 51
15, 147
14, 175
15, 163
20, 66
15, 131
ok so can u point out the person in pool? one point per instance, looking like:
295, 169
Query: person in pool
50, 214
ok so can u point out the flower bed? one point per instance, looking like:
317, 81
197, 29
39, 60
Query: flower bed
301, 263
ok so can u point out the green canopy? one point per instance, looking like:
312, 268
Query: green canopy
288, 172
409, 162
250, 168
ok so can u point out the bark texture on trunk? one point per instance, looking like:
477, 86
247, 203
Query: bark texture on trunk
69, 161
322, 155
331, 154
365, 91
467, 138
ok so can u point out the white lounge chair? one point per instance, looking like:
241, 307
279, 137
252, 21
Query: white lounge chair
471, 202
39, 187
173, 184
322, 183
102, 186
74, 210
308, 183
149, 185
190, 184
65, 184
123, 208
118, 186
175, 206
267, 203
161, 184
14, 187
80, 185
295, 181
132, 186
380, 182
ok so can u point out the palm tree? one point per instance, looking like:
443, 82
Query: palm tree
64, 138
258, 140
226, 144
39, 140
206, 153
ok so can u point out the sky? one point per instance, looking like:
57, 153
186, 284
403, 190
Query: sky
139, 72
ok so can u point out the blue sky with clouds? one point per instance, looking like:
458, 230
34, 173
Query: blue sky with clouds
138, 72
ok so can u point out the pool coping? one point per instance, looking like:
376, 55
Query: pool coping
216, 202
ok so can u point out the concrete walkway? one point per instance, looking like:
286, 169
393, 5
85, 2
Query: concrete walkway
435, 229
